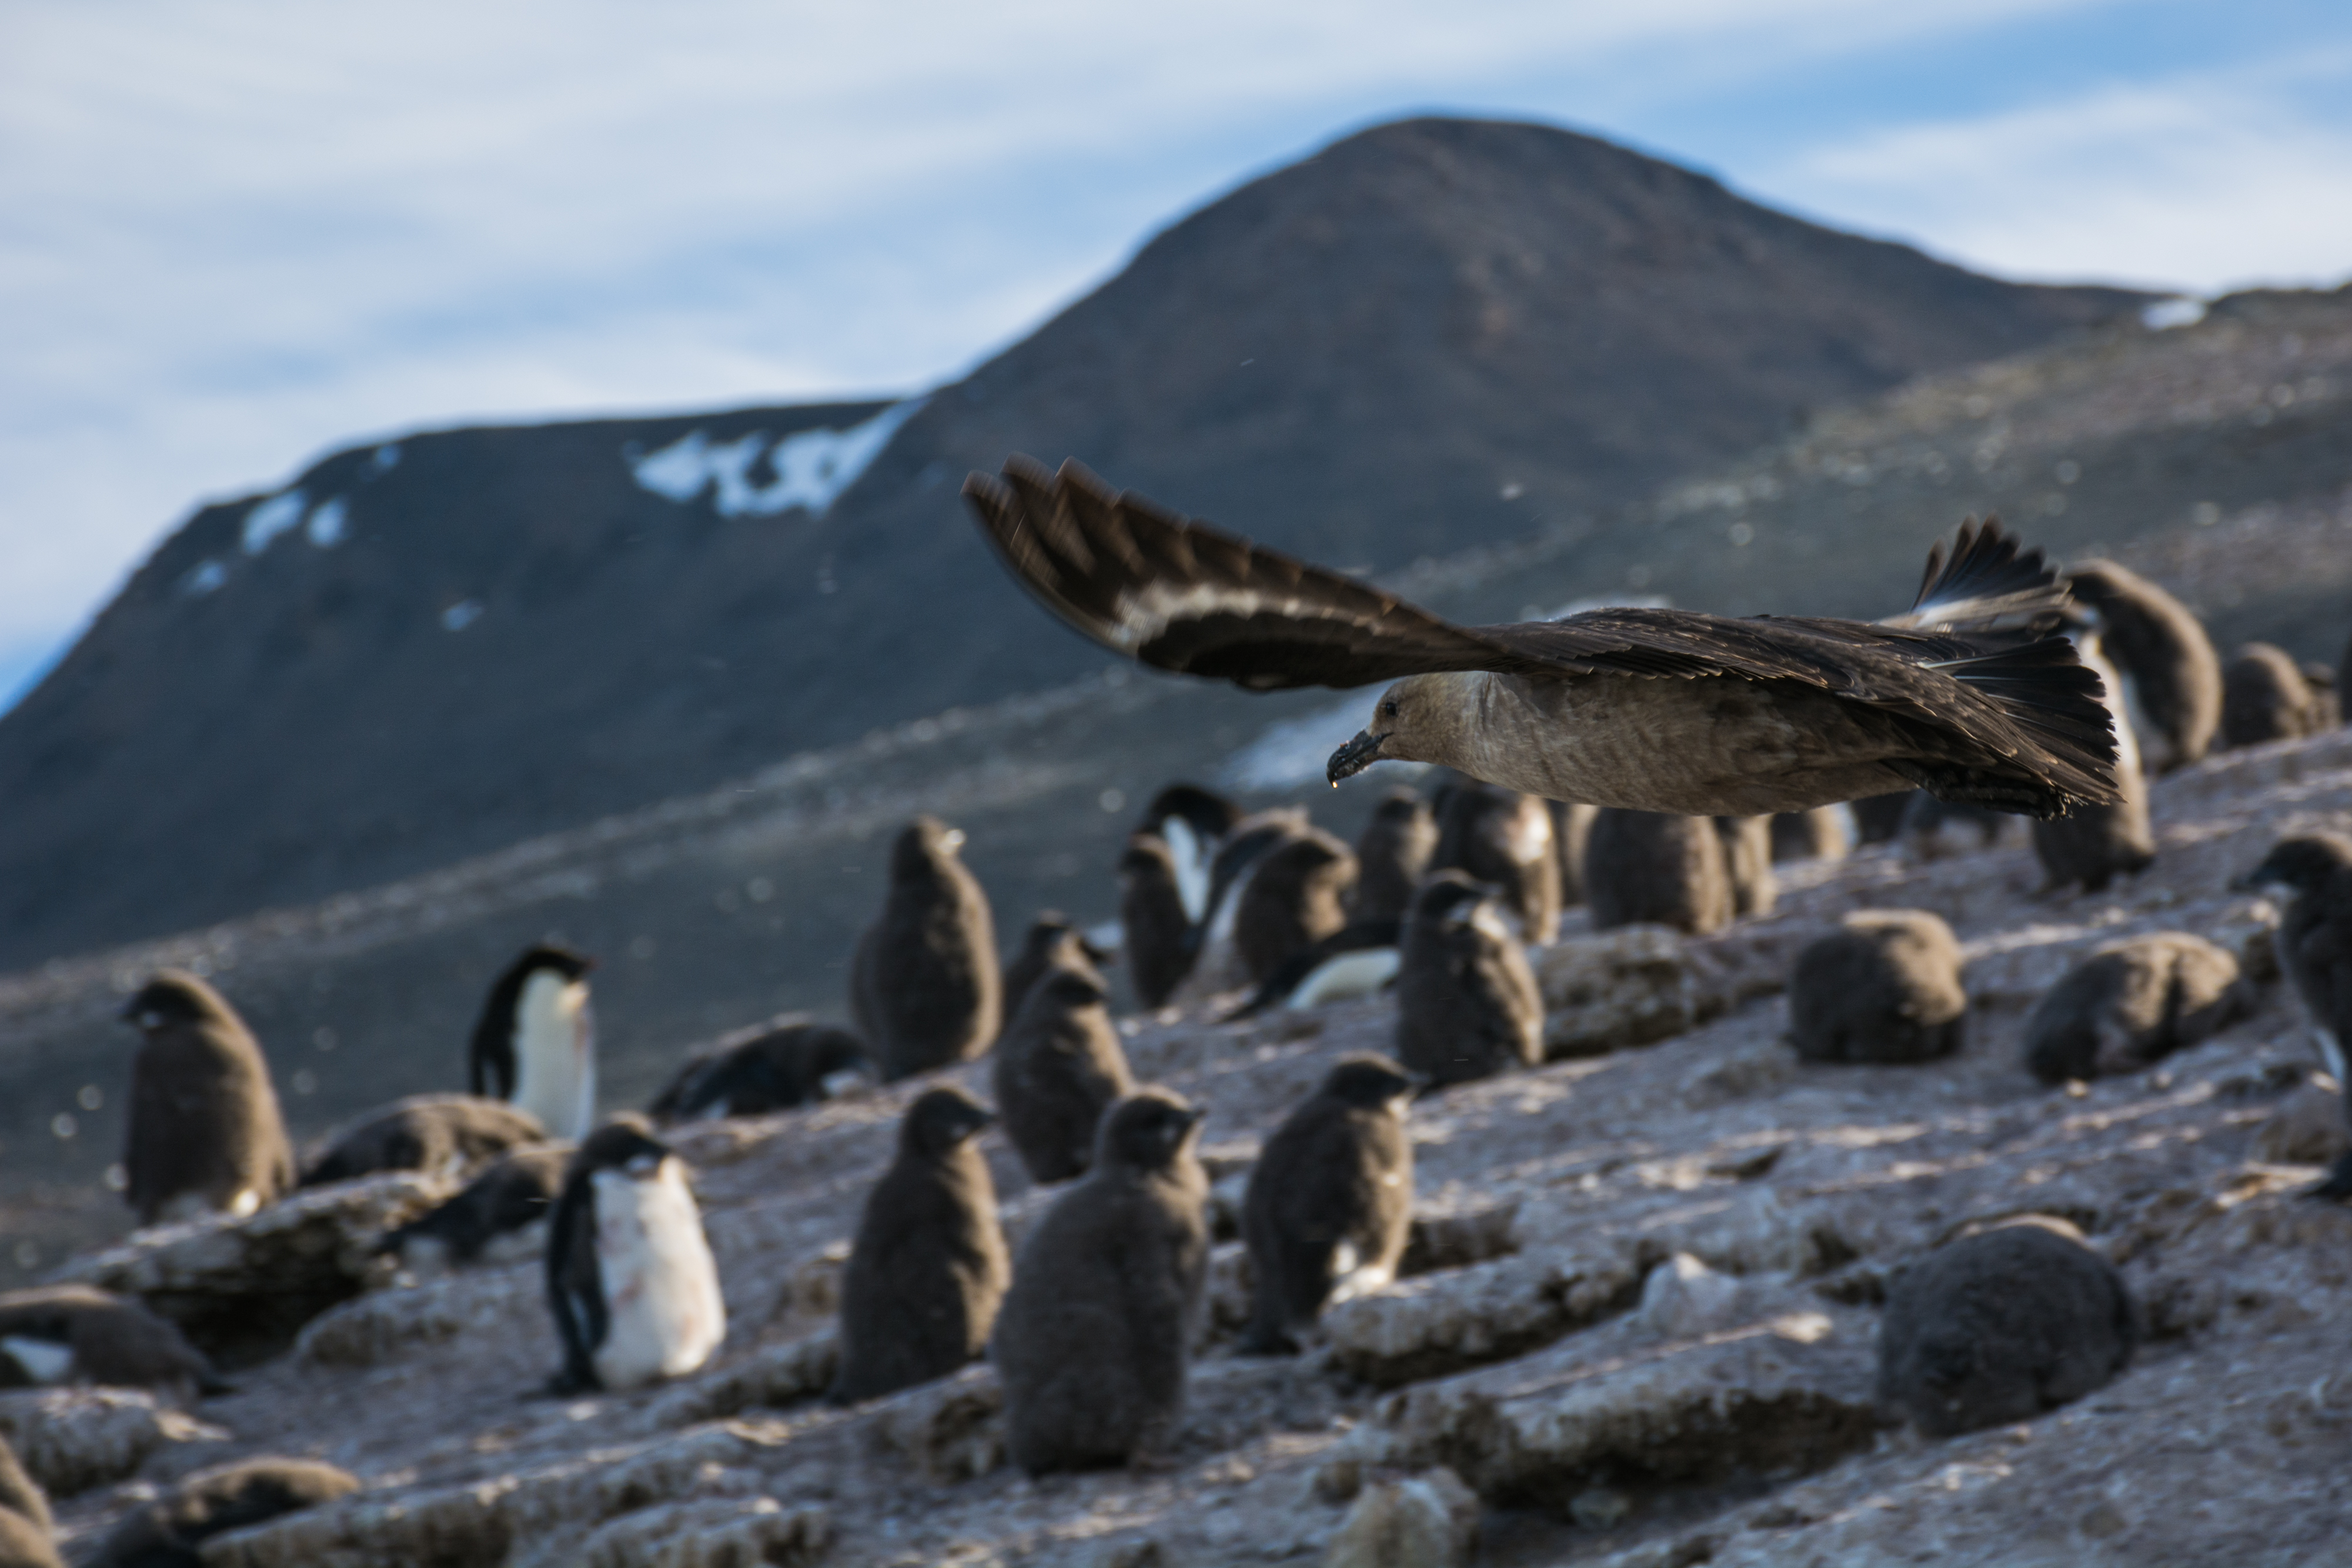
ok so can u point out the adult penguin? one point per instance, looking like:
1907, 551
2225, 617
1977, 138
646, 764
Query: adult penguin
204, 1133
2171, 678
630, 1278
1502, 839
925, 990
534, 1045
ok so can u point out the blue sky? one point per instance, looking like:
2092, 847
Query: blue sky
233, 235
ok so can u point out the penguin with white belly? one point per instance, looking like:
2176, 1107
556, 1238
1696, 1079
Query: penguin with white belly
535, 1045
629, 1274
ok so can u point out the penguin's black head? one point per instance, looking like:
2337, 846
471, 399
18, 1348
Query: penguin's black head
1207, 813
1399, 805
1071, 987
1373, 1082
923, 845
173, 996
940, 1120
552, 957
1148, 1131
1449, 896
2301, 865
828, 1051
626, 1143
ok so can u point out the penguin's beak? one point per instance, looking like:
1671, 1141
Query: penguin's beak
1355, 756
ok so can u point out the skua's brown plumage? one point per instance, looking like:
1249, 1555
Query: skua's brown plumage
1649, 709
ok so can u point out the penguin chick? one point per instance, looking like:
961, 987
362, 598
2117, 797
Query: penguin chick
1156, 939
2264, 697
1296, 895
929, 1267
53, 1334
2094, 844
629, 1274
26, 1525
924, 983
1748, 862
1052, 939
169, 1531
205, 1134
1878, 818
1657, 867
1216, 963
1820, 834
2133, 1003
1467, 1005
534, 1045
1571, 831
1057, 1069
1502, 839
1329, 1202
2314, 948
2001, 1325
437, 1133
1886, 987
1935, 829
1392, 857
775, 1066
1193, 823
2170, 678
1091, 1345
498, 1214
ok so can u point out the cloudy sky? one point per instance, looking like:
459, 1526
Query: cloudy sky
236, 234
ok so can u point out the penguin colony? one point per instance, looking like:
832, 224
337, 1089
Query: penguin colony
1091, 1325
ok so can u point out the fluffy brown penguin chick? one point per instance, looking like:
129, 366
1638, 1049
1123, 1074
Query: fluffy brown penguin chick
1747, 863
436, 1133
1886, 987
1057, 1069
1502, 839
923, 985
169, 1531
204, 1133
1818, 834
1092, 1341
929, 1267
1329, 1202
2132, 1004
2001, 1325
1655, 868
1467, 1005
1392, 856
1156, 936
2314, 947
1052, 939
1294, 897
2264, 697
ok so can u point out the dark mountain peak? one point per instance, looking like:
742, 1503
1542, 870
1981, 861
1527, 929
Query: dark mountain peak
1432, 334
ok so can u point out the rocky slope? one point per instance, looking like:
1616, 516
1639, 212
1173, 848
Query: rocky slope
1601, 1408
1431, 336
2215, 458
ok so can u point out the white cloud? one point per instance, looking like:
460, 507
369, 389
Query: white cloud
241, 234
2205, 182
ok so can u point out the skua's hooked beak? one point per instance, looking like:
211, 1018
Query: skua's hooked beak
1355, 756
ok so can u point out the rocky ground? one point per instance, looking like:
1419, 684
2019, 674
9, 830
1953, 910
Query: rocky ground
1638, 1329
